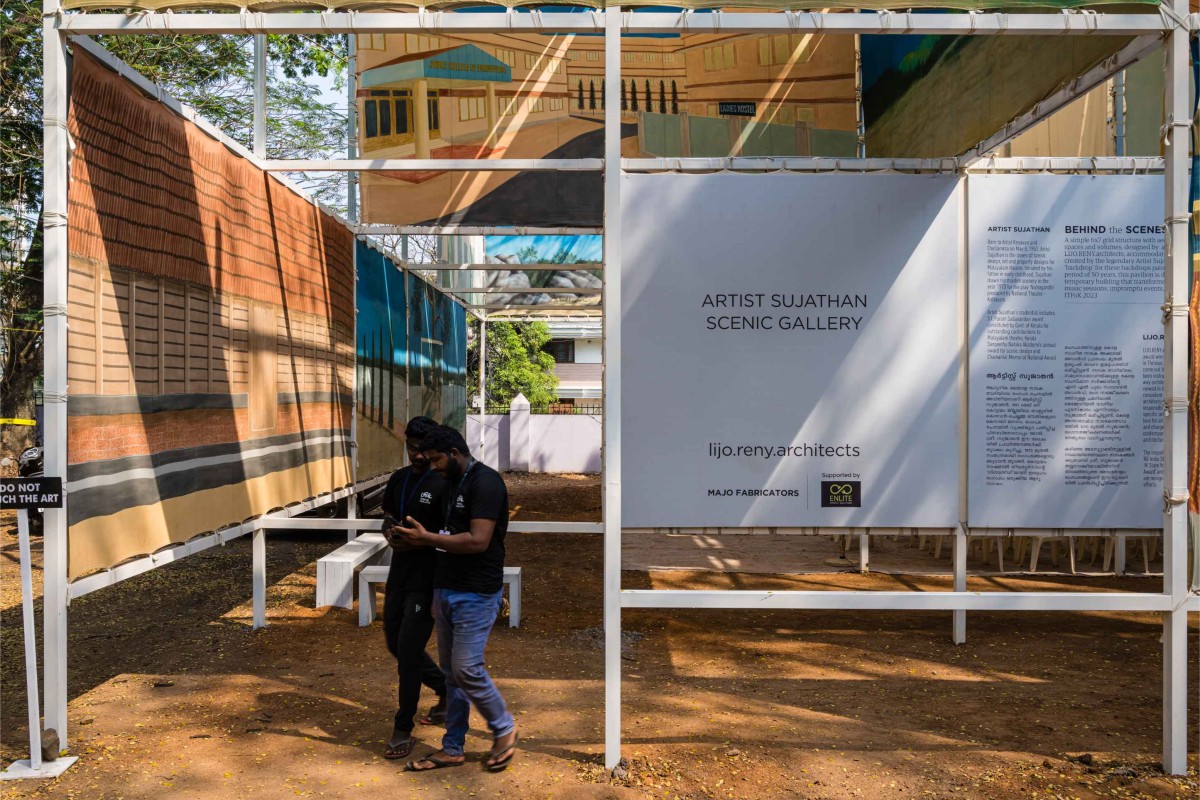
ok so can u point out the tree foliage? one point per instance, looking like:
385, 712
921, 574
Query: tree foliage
516, 363
214, 75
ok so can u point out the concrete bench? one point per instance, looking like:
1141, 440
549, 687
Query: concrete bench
335, 572
370, 577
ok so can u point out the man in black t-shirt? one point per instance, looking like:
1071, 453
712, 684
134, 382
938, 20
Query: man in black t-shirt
467, 586
419, 492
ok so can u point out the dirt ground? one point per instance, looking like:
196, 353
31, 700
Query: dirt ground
173, 695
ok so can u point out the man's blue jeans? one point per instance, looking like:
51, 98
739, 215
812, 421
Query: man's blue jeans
464, 620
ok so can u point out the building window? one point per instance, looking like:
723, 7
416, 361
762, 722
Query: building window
777, 50
510, 106
719, 58
627, 58
372, 41
507, 56
536, 106
556, 104
385, 117
370, 119
414, 43
652, 58
563, 350
470, 108
389, 114
593, 55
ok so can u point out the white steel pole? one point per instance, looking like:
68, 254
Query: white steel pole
612, 392
31, 668
54, 213
483, 387
1176, 367
959, 616
860, 122
260, 95
408, 342
958, 624
1118, 101
352, 499
352, 125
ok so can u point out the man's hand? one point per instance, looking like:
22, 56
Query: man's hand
394, 539
413, 536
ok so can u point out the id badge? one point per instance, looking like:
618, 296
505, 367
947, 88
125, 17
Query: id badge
442, 532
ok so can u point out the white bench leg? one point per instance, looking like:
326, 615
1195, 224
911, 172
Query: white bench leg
366, 601
258, 549
514, 603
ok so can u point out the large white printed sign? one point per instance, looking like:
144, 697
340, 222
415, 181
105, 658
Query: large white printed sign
1066, 409
789, 350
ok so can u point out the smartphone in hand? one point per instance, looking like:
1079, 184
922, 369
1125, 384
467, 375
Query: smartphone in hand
389, 522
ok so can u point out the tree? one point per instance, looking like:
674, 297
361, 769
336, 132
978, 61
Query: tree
633, 101
624, 98
213, 74
516, 363
603, 92
649, 101
581, 94
674, 98
591, 95
662, 98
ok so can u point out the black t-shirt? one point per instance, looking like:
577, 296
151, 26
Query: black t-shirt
422, 497
481, 495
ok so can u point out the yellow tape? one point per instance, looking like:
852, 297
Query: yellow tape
17, 421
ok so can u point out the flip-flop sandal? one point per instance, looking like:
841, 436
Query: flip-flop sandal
435, 716
505, 756
402, 750
437, 764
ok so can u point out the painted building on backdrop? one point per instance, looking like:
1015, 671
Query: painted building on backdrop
530, 95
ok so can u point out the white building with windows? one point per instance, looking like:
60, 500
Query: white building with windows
578, 360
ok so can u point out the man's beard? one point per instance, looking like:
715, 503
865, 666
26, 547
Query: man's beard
454, 470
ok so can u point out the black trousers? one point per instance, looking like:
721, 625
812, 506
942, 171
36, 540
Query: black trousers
407, 623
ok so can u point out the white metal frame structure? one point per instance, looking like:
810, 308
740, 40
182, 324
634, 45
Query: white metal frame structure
1171, 26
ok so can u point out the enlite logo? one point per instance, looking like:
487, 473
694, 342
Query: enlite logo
841, 494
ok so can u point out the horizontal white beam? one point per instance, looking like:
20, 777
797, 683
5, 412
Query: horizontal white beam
333, 22
593, 22
436, 165
518, 526
897, 601
788, 164
1129, 164
525, 290
893, 22
531, 307
1126, 56
319, 524
499, 267
369, 229
129, 569
1193, 602
534, 315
